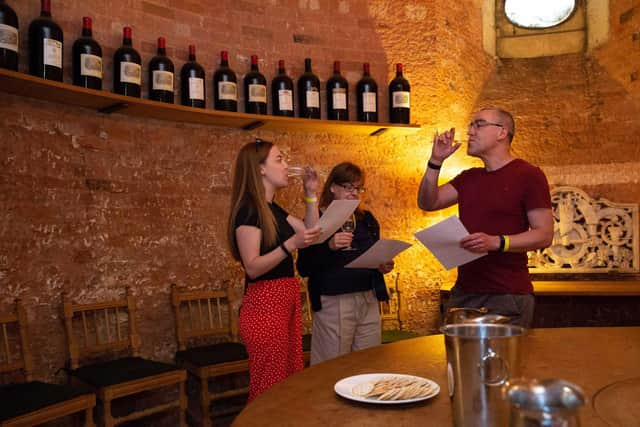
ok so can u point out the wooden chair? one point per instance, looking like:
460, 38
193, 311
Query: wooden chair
307, 322
33, 402
204, 315
388, 316
96, 329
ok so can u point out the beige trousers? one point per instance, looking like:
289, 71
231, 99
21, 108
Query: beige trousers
346, 323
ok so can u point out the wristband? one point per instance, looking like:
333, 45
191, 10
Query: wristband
432, 165
501, 248
313, 199
286, 251
506, 244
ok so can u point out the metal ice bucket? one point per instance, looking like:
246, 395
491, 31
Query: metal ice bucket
545, 403
481, 358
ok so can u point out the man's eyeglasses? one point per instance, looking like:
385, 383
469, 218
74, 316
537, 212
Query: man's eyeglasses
350, 188
480, 123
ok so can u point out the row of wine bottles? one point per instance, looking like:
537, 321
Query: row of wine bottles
45, 60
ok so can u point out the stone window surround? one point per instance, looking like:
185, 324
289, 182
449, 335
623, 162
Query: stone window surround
586, 29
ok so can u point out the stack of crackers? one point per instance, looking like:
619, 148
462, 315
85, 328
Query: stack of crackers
394, 388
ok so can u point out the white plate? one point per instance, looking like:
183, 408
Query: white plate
345, 386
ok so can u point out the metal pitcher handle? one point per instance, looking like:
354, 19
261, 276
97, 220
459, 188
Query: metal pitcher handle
503, 369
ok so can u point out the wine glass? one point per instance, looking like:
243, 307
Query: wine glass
349, 226
295, 171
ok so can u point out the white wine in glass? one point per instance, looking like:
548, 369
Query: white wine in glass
349, 226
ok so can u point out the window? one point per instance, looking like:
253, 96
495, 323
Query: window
539, 13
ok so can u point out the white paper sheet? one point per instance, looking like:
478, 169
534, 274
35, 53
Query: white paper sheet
443, 240
334, 216
382, 251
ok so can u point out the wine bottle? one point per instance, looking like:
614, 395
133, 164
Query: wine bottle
308, 93
161, 75
45, 45
282, 93
255, 90
399, 98
9, 37
192, 87
127, 72
337, 95
225, 88
367, 93
87, 59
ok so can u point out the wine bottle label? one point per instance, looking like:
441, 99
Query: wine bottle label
401, 99
339, 95
162, 80
52, 53
258, 93
90, 65
285, 99
313, 98
227, 91
196, 88
9, 37
369, 102
130, 72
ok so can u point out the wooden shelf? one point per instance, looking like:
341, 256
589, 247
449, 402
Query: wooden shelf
107, 102
579, 288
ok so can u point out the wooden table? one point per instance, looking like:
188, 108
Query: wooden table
589, 357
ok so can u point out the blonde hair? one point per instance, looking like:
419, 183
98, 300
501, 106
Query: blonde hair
248, 190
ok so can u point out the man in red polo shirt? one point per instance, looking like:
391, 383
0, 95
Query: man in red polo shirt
505, 205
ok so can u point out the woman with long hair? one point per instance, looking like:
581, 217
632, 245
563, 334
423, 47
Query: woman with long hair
344, 300
262, 236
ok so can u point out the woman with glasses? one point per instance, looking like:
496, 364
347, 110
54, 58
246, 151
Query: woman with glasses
344, 300
262, 236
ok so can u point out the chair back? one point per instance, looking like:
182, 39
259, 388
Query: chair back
100, 327
202, 314
307, 312
15, 353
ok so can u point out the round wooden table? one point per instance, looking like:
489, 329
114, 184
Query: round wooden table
589, 357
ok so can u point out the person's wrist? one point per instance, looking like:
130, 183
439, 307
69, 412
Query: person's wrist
311, 198
434, 163
290, 245
285, 250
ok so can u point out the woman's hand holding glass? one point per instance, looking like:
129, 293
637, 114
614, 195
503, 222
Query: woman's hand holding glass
340, 240
309, 177
310, 181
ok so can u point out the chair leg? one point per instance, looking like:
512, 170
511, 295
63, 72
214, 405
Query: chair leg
183, 404
88, 418
205, 402
107, 417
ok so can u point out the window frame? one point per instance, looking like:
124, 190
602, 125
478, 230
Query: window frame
576, 7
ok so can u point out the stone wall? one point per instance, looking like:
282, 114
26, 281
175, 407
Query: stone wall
578, 115
94, 203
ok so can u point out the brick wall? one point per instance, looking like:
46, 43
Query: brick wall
93, 203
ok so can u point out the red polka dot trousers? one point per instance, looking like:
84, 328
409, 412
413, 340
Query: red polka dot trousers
271, 328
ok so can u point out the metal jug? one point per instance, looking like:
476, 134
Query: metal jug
545, 403
458, 315
481, 358
462, 314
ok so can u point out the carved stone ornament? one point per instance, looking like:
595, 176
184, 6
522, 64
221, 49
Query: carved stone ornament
589, 236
